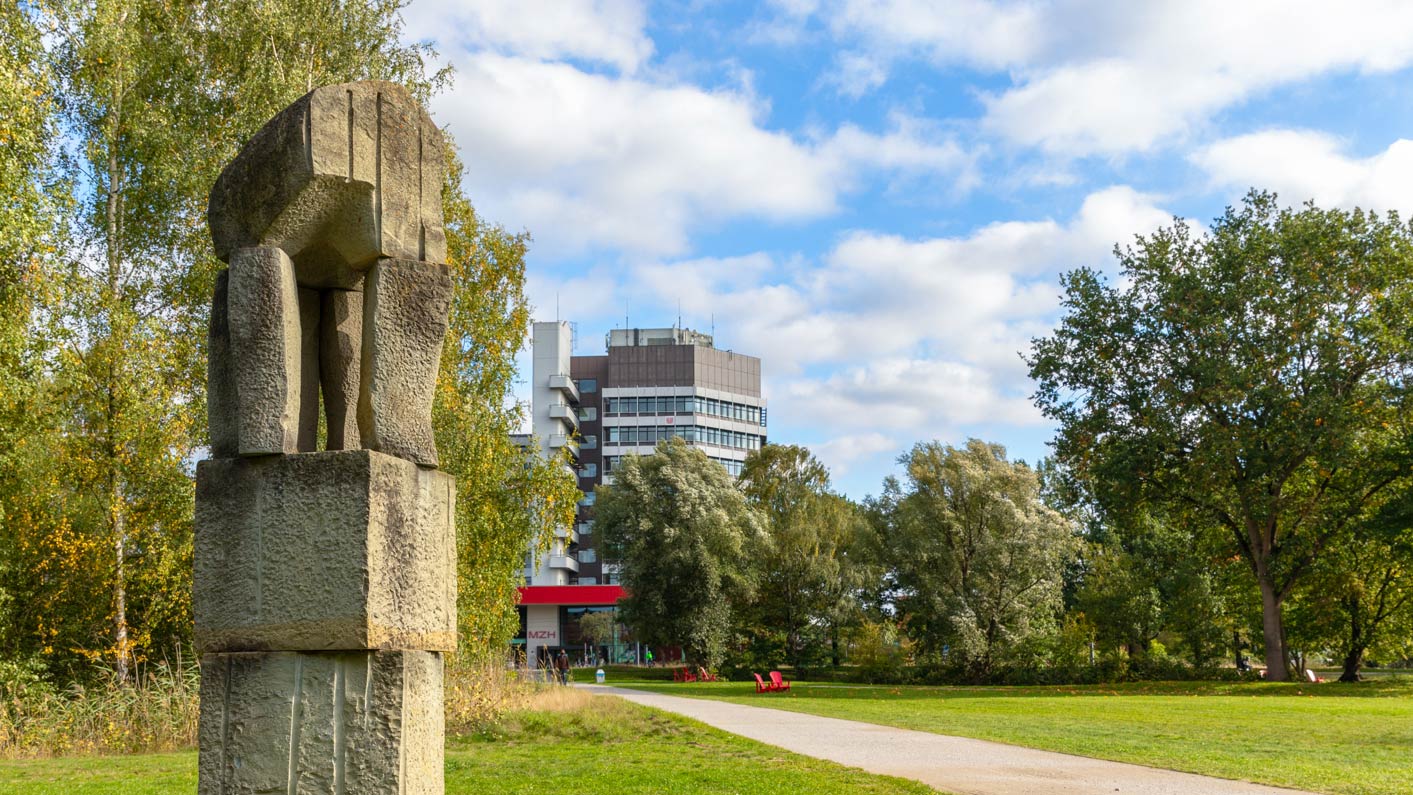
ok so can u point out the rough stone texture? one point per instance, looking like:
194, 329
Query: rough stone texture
221, 408
323, 551
340, 356
404, 321
308, 421
262, 312
308, 724
344, 175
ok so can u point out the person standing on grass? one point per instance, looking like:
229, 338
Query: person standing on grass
562, 664
650, 658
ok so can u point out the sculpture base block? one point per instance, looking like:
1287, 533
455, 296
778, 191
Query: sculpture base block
314, 724
325, 551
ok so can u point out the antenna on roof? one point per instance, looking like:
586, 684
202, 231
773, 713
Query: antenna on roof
679, 313
556, 306
713, 327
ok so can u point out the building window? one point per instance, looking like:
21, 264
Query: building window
591, 442
587, 581
586, 528
588, 556
588, 414
648, 435
587, 500
588, 385
589, 471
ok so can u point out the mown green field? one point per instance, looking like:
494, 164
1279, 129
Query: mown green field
1355, 739
587, 746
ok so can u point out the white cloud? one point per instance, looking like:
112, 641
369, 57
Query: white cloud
603, 31
1093, 77
1107, 107
842, 453
986, 34
796, 8
1302, 164
886, 333
856, 74
976, 298
585, 160
929, 397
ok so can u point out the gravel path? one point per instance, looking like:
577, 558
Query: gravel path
951, 764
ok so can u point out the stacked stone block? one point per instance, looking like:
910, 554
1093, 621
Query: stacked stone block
325, 587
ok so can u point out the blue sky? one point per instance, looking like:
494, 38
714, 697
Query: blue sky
877, 197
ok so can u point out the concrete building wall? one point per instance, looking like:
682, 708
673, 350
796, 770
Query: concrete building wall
541, 630
552, 347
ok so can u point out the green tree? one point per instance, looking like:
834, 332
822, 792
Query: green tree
688, 543
1147, 574
134, 107
1362, 590
1244, 378
29, 218
808, 580
1121, 601
978, 558
152, 99
506, 496
599, 628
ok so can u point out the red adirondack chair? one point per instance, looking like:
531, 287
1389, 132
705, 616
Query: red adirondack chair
761, 686
778, 682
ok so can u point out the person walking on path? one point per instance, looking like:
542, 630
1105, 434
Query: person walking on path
561, 665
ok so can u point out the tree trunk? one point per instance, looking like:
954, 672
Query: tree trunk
117, 510
1358, 641
1273, 630
1353, 661
120, 614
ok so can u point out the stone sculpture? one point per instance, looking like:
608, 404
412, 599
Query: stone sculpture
330, 219
325, 580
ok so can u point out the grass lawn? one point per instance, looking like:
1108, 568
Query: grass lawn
1355, 739
570, 742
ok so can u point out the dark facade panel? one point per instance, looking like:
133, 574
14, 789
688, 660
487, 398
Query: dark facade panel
580, 368
651, 365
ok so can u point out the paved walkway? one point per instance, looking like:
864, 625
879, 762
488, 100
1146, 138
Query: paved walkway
950, 764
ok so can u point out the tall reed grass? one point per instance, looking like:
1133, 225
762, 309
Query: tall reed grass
158, 711
155, 712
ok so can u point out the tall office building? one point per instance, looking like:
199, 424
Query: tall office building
649, 385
